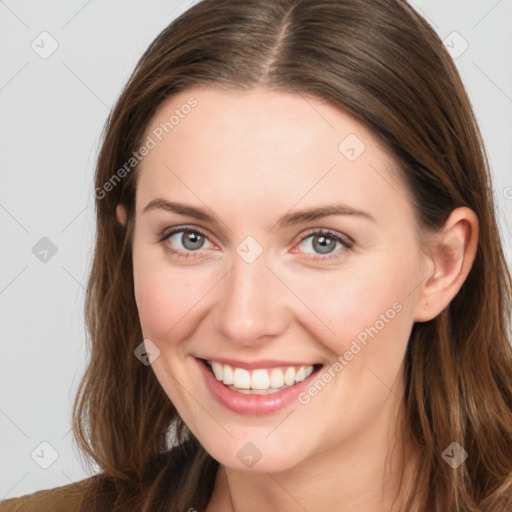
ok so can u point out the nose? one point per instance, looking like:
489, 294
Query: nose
252, 307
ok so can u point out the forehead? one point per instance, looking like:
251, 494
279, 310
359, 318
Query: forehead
251, 148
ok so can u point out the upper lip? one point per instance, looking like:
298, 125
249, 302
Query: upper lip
253, 365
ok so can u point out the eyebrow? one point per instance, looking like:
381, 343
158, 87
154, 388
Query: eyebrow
289, 219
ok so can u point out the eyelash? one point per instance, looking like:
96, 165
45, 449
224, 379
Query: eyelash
346, 241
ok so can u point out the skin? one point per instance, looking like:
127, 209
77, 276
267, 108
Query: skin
249, 158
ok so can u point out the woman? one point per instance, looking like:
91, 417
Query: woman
299, 298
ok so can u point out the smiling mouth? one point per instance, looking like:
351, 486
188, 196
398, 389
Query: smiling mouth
261, 381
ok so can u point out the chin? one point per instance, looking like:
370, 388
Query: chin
256, 457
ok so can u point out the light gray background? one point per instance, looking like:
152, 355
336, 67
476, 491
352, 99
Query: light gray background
52, 112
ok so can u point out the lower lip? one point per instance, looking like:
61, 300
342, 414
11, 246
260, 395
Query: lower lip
251, 405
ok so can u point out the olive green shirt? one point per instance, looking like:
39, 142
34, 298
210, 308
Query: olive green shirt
66, 498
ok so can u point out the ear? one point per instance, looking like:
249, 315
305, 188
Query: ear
121, 214
451, 255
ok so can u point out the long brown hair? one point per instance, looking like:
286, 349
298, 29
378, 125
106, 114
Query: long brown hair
379, 61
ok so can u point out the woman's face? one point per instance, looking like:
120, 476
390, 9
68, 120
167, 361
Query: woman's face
293, 245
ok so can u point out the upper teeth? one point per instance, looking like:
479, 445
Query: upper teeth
259, 379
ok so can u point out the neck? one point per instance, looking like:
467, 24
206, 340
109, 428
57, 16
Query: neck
363, 473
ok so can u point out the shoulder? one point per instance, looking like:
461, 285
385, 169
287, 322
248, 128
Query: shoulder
66, 498
101, 492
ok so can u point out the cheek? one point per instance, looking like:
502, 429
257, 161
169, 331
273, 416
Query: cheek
162, 300
361, 304
168, 297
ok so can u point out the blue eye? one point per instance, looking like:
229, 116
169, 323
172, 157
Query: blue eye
190, 239
323, 243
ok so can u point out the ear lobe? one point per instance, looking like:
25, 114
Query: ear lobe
452, 254
121, 214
